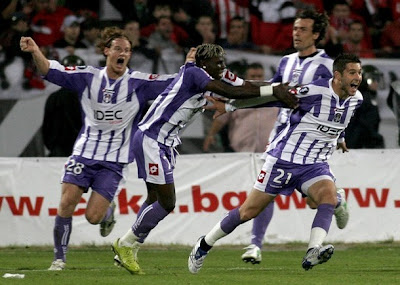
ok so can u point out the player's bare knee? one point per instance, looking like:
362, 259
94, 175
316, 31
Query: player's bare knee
93, 219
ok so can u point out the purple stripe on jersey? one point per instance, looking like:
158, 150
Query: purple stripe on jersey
322, 72
130, 91
291, 70
100, 95
109, 144
332, 109
344, 115
309, 150
297, 146
116, 92
97, 143
122, 143
87, 139
304, 73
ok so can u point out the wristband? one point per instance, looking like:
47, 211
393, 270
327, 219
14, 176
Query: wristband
266, 90
229, 108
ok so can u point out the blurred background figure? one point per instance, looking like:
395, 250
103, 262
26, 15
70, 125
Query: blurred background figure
363, 130
248, 129
62, 116
143, 58
356, 43
9, 39
237, 36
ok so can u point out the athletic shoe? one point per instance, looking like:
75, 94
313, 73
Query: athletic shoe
252, 254
196, 257
107, 226
317, 255
126, 257
57, 265
341, 212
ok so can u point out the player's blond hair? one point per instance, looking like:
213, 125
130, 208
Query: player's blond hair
206, 51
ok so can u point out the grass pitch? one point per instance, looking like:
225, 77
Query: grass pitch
350, 264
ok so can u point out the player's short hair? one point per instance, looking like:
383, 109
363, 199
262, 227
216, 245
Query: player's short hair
339, 64
207, 51
321, 22
109, 34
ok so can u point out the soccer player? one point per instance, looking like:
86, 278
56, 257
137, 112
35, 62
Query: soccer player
112, 101
158, 135
299, 161
301, 67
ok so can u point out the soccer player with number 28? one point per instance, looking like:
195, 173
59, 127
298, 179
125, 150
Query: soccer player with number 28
112, 100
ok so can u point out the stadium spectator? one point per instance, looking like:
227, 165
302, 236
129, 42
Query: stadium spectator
363, 130
71, 28
110, 116
9, 39
203, 31
90, 31
179, 35
304, 167
143, 58
390, 40
356, 43
158, 135
265, 20
302, 67
340, 19
226, 10
7, 8
62, 116
47, 22
237, 36
248, 129
283, 42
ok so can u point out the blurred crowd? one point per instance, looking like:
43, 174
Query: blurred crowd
367, 28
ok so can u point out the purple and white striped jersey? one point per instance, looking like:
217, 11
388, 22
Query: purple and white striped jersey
302, 70
179, 103
315, 126
111, 109
298, 71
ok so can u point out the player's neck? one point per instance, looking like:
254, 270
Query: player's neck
307, 52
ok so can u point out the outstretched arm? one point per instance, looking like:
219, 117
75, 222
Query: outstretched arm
275, 93
27, 44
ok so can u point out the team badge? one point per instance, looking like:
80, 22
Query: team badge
107, 95
153, 169
338, 115
261, 176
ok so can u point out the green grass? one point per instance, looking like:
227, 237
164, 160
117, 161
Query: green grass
351, 264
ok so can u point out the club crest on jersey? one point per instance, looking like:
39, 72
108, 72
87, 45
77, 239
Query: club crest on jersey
304, 90
338, 115
295, 76
261, 176
107, 95
153, 169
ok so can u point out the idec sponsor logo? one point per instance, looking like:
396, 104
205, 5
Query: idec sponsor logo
200, 201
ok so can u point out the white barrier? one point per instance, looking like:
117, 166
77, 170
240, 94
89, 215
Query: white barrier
207, 187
